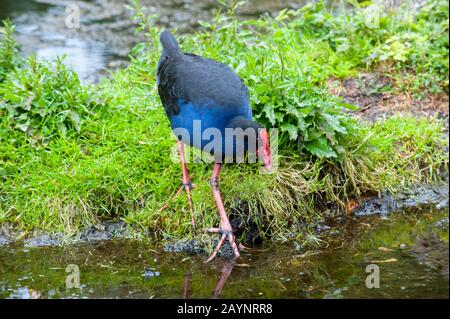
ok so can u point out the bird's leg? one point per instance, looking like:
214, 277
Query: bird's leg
186, 181
225, 226
186, 184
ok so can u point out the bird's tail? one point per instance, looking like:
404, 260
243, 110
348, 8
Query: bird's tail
169, 43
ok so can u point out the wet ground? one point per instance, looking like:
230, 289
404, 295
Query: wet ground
409, 251
432, 195
106, 32
371, 92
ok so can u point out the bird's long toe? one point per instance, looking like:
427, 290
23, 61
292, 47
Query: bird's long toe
218, 231
226, 235
234, 246
242, 247
216, 250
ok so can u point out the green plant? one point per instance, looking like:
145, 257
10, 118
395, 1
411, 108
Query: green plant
9, 58
44, 99
410, 42
418, 46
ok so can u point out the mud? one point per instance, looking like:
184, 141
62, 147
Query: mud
418, 196
107, 230
371, 92
186, 246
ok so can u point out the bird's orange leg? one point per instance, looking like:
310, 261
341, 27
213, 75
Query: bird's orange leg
187, 185
225, 226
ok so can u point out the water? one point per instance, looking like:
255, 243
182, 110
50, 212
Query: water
41, 30
106, 33
133, 269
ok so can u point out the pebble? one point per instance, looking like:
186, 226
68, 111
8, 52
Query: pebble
148, 273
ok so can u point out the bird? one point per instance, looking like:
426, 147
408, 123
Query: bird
204, 101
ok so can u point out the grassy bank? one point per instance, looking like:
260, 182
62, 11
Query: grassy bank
71, 155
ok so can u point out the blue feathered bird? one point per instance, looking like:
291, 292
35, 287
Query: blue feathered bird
205, 100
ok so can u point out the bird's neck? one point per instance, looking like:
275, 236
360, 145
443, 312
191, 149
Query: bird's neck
243, 123
246, 131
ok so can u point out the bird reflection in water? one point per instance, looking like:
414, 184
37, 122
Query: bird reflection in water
227, 268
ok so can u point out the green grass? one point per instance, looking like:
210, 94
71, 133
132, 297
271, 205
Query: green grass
408, 41
103, 151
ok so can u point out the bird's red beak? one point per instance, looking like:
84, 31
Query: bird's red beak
264, 150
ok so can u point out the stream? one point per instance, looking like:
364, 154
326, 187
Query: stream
409, 250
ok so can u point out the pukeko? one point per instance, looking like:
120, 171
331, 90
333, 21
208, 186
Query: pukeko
205, 95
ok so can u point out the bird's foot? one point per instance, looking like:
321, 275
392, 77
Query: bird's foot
226, 234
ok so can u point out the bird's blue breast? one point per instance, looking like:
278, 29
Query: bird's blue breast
199, 123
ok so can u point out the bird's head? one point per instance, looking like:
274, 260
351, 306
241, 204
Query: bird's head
250, 132
263, 150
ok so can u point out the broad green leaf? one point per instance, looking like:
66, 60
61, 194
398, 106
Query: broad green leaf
313, 133
335, 123
23, 126
291, 129
320, 147
270, 113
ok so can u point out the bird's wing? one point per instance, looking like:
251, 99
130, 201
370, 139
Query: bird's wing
199, 81
166, 79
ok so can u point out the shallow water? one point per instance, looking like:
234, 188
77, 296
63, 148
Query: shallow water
133, 269
41, 30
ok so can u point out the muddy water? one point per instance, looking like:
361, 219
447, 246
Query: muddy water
409, 249
106, 32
